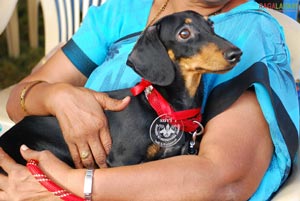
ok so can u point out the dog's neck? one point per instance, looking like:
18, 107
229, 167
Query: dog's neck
191, 81
184, 93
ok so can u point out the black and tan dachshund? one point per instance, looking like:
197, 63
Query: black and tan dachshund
172, 55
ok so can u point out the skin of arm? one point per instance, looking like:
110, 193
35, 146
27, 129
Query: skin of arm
51, 72
62, 95
235, 152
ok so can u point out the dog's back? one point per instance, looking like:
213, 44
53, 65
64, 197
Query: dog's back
38, 133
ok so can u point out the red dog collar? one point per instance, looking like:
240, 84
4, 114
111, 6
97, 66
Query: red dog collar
161, 106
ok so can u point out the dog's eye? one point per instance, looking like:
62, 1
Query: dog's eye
184, 33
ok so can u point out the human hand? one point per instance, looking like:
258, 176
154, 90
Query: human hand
80, 113
19, 184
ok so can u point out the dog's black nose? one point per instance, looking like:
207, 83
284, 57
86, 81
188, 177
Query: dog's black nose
233, 55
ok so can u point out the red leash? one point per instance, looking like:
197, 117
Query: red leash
161, 106
63, 194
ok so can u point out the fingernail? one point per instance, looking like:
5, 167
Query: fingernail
24, 147
126, 99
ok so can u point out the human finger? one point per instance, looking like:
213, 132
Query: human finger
100, 144
108, 103
28, 154
75, 155
105, 139
47, 161
6, 162
41, 156
99, 152
86, 155
104, 133
3, 182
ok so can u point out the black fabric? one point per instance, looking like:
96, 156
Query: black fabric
128, 36
228, 92
78, 57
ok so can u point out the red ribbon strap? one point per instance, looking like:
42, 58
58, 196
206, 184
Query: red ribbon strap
63, 194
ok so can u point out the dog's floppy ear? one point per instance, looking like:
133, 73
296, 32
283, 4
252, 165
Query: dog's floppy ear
149, 58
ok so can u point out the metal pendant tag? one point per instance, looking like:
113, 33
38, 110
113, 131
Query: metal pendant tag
166, 132
192, 150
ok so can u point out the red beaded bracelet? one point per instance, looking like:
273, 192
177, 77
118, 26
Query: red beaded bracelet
63, 194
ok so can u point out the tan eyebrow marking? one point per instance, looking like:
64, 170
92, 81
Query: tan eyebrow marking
188, 20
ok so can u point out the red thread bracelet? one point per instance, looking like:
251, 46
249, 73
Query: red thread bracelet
38, 174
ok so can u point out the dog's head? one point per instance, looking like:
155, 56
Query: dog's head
186, 39
182, 44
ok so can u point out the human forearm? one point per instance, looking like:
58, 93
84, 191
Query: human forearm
57, 69
34, 100
39, 98
160, 180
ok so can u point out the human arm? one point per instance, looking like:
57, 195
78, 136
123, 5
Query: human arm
57, 69
63, 96
235, 152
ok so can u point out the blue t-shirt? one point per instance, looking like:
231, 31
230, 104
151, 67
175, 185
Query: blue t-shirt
97, 51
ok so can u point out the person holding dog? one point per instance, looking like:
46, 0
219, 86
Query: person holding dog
243, 155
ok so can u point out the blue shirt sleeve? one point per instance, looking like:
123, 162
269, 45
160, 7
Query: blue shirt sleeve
101, 27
